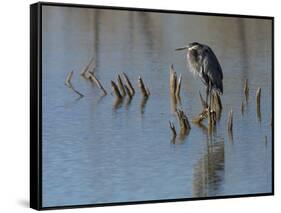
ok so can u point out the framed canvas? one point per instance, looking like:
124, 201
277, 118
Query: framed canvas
133, 106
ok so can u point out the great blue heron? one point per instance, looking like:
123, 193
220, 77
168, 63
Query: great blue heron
203, 62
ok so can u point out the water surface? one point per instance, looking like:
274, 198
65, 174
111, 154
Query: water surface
95, 151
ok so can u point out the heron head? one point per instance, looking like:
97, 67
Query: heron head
192, 45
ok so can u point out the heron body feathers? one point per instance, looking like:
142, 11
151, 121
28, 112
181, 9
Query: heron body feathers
203, 62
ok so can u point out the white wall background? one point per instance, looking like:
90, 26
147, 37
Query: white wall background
14, 105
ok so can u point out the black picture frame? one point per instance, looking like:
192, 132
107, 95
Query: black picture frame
36, 103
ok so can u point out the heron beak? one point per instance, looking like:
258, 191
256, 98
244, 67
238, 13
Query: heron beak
181, 48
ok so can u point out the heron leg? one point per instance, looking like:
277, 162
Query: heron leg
210, 97
207, 94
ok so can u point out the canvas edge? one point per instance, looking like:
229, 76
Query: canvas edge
36, 105
158, 201
35, 108
273, 108
77, 5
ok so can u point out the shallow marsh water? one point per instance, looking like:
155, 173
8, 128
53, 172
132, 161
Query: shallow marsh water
97, 152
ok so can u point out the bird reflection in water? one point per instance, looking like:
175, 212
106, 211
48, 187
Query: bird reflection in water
208, 172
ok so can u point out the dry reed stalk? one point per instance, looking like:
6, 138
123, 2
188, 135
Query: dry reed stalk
116, 90
93, 78
68, 79
258, 97
178, 87
69, 84
173, 80
143, 89
211, 117
129, 85
173, 129
217, 102
121, 86
86, 69
183, 120
127, 91
199, 118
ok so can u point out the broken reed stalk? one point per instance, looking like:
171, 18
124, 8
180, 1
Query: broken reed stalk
246, 89
178, 88
183, 120
68, 79
127, 91
175, 83
69, 84
92, 67
217, 102
144, 90
173, 80
258, 97
86, 69
173, 104
93, 78
121, 86
211, 117
80, 94
116, 90
204, 114
230, 121
173, 129
129, 85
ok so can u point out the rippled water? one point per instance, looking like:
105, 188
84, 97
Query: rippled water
95, 151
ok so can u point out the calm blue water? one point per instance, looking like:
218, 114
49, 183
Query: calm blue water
97, 152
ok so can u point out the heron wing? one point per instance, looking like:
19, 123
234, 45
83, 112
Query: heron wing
212, 69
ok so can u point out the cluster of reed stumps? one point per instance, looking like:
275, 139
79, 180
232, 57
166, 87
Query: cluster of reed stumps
211, 113
175, 87
125, 88
120, 89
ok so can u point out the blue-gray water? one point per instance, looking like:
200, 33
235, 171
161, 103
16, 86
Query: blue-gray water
97, 152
